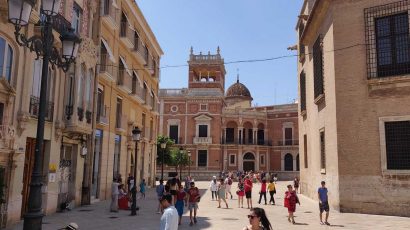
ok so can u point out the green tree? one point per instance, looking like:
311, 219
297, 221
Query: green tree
178, 158
169, 142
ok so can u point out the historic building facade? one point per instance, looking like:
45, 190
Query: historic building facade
354, 118
220, 127
68, 127
91, 108
126, 96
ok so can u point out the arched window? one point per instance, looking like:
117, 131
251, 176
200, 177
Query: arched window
249, 156
297, 163
134, 84
288, 162
6, 59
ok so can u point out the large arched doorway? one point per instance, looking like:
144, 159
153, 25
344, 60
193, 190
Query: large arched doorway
288, 162
248, 162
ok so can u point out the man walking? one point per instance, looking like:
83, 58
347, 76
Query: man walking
323, 202
169, 220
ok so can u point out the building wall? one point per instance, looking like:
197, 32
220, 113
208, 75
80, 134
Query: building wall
352, 116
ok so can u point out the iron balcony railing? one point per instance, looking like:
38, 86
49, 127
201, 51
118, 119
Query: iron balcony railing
127, 32
288, 142
60, 24
88, 116
34, 108
106, 66
80, 113
235, 141
121, 122
124, 79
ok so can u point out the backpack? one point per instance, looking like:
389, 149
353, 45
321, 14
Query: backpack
229, 181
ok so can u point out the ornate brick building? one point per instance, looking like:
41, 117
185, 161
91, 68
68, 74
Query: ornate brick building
221, 129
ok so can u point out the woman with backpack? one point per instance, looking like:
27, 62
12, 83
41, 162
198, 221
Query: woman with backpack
228, 184
290, 201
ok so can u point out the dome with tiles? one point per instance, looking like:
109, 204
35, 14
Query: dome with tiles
238, 90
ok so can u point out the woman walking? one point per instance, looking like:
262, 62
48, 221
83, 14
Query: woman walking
240, 192
142, 188
179, 205
221, 193
272, 191
290, 202
258, 220
114, 196
296, 184
214, 188
262, 192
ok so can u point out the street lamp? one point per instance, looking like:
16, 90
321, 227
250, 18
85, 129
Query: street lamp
181, 151
163, 147
19, 12
189, 163
136, 136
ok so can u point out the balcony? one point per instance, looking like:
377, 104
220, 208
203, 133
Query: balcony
202, 140
88, 116
138, 93
121, 123
34, 108
75, 123
124, 81
110, 14
60, 24
80, 113
107, 69
127, 35
230, 141
139, 50
148, 101
288, 142
102, 118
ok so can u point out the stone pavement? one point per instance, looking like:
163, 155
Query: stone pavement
97, 216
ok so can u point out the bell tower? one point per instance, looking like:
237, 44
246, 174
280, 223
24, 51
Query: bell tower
206, 71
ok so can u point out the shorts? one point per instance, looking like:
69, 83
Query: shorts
248, 194
173, 192
324, 206
193, 206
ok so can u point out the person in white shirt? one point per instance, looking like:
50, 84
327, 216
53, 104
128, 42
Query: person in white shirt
214, 188
169, 219
114, 196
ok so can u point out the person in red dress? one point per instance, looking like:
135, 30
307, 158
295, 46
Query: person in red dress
290, 202
122, 198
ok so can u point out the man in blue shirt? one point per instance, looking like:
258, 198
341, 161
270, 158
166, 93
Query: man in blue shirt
323, 202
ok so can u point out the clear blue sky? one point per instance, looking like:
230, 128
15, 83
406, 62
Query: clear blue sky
244, 29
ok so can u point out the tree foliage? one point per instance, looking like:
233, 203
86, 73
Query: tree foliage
166, 151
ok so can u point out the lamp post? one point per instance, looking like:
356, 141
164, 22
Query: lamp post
163, 147
181, 151
19, 12
189, 163
136, 136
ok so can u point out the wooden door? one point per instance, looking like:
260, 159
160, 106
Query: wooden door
28, 169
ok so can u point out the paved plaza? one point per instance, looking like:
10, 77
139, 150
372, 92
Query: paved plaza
97, 216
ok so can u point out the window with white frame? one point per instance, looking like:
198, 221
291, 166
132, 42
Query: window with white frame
76, 19
202, 158
232, 159
202, 130
6, 59
174, 133
262, 159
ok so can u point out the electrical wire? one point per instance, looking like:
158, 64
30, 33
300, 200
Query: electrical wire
248, 60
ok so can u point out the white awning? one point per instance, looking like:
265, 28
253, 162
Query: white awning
126, 66
139, 79
114, 3
107, 47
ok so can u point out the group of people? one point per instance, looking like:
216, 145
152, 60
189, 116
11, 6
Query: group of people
121, 196
173, 197
221, 188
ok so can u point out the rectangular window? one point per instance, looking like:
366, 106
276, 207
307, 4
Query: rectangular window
203, 131
230, 134
232, 159
301, 46
1, 113
318, 67
173, 133
288, 136
392, 45
119, 113
305, 153
398, 145
203, 107
202, 158
100, 103
143, 118
250, 136
262, 159
117, 154
322, 151
302, 84
76, 20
